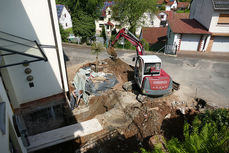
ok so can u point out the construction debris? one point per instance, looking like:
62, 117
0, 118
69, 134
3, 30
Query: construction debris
116, 103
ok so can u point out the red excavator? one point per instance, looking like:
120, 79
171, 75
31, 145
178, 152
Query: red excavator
148, 74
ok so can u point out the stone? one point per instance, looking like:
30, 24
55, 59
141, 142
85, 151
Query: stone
128, 86
141, 98
156, 141
168, 116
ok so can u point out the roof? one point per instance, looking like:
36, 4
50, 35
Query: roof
220, 4
183, 4
160, 1
151, 59
188, 26
59, 9
182, 15
152, 34
109, 23
172, 15
170, 3
106, 5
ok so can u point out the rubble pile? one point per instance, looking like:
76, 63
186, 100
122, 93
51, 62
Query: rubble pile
121, 108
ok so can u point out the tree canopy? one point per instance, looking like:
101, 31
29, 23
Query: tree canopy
83, 13
128, 12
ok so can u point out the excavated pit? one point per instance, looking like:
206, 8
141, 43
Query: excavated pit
128, 124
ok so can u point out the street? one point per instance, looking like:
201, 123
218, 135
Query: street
199, 78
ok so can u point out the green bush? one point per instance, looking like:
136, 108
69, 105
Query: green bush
208, 133
145, 44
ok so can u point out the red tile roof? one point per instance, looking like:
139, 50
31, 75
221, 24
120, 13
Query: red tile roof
170, 3
160, 1
183, 4
182, 15
151, 35
172, 15
188, 26
109, 23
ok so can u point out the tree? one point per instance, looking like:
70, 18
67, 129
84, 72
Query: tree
96, 48
84, 13
129, 12
63, 33
83, 25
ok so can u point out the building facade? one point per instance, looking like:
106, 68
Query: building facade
32, 67
64, 17
214, 16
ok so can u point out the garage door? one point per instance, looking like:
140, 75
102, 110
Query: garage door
220, 44
190, 42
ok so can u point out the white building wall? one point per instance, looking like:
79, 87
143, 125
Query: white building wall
202, 11
4, 138
217, 28
65, 19
31, 19
147, 20
98, 29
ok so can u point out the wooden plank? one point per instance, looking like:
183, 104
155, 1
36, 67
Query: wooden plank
60, 135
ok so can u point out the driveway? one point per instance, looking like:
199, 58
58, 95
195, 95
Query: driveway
199, 78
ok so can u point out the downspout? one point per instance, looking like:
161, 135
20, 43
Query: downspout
57, 48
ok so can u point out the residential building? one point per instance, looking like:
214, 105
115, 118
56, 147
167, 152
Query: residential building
32, 70
171, 5
187, 35
64, 17
106, 21
147, 20
214, 16
169, 15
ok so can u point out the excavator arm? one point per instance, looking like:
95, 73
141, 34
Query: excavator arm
128, 36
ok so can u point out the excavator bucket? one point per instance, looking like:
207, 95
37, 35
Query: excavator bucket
111, 52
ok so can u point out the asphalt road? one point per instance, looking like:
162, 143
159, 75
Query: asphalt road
199, 78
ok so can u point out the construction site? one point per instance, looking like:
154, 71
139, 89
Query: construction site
127, 122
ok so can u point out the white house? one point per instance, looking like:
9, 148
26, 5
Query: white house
171, 5
106, 21
32, 67
147, 20
64, 16
214, 16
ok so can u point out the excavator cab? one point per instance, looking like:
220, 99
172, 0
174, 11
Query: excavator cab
151, 79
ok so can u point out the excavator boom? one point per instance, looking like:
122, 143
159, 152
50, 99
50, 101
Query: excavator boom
128, 36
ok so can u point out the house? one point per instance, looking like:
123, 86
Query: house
187, 35
147, 20
169, 15
106, 21
171, 5
155, 36
214, 16
32, 69
64, 17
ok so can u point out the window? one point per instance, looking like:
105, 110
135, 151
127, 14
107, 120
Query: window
65, 15
101, 25
66, 24
162, 16
223, 19
109, 12
101, 18
152, 68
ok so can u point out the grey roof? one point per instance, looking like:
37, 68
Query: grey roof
221, 4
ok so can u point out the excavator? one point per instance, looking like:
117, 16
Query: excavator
148, 74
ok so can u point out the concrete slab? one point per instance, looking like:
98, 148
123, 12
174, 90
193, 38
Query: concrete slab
60, 135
